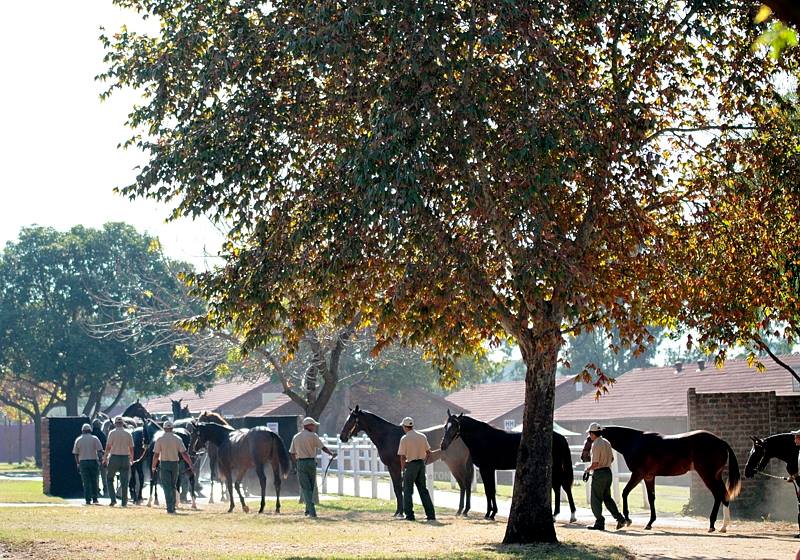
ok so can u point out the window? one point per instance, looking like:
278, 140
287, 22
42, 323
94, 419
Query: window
509, 424
578, 387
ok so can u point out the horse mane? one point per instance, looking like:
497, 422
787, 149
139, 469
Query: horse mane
212, 418
475, 423
376, 417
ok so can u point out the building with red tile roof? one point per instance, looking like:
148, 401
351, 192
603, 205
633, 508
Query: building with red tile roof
656, 398
501, 404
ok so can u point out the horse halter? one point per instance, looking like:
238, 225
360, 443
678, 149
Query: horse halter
356, 427
456, 430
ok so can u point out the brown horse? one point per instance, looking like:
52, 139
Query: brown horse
243, 449
649, 454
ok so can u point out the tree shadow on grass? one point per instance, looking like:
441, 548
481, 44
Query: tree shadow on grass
561, 551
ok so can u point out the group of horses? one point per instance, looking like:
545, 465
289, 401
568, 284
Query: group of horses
463, 442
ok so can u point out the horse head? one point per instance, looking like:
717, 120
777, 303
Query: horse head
452, 429
137, 409
211, 431
351, 426
758, 459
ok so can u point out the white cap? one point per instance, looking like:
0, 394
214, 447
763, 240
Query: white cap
594, 427
118, 420
168, 425
86, 428
408, 422
308, 421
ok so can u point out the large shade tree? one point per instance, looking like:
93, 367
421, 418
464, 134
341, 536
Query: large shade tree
456, 172
50, 282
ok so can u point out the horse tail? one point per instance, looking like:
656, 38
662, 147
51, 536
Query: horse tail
283, 455
734, 476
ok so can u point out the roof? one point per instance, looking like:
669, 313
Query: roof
558, 428
661, 391
214, 398
489, 401
268, 408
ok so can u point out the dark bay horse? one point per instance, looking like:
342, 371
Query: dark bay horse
778, 446
211, 451
650, 454
178, 411
386, 437
136, 410
240, 450
493, 449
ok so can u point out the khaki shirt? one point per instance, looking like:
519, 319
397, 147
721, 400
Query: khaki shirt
414, 445
602, 453
305, 445
86, 447
169, 447
119, 442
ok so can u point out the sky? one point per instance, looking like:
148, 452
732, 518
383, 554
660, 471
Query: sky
59, 160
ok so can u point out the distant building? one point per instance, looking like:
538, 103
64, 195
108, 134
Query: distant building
502, 404
656, 398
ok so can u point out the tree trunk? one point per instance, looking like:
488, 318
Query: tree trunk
37, 434
71, 396
531, 517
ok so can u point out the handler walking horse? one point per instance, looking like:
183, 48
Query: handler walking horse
240, 450
778, 446
492, 449
649, 454
386, 437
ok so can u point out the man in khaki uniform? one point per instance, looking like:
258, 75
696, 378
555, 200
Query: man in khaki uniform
118, 459
86, 450
167, 451
304, 453
414, 453
602, 457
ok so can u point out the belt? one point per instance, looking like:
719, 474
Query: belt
415, 460
120, 455
308, 459
602, 469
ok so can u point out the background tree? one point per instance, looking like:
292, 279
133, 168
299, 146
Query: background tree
598, 352
48, 284
455, 173
737, 260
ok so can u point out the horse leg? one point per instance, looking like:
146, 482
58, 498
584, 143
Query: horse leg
397, 482
650, 485
556, 484
469, 474
262, 481
229, 486
239, 492
489, 488
636, 478
568, 491
713, 482
276, 481
192, 481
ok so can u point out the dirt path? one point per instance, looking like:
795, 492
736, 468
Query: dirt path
745, 541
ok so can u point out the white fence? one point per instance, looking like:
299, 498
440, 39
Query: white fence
358, 460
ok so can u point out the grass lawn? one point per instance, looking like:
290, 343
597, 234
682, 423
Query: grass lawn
669, 499
346, 528
24, 491
26, 467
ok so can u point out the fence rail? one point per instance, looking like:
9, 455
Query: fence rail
358, 459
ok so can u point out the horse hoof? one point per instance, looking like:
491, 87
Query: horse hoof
628, 523
194, 507
648, 528
723, 530
487, 516
711, 530
465, 514
573, 519
246, 509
